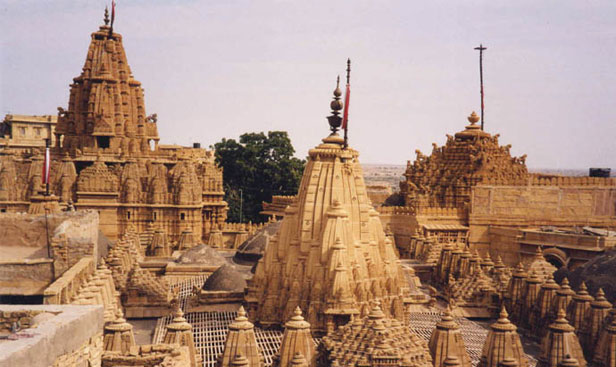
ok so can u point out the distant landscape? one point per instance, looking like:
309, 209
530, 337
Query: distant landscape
392, 174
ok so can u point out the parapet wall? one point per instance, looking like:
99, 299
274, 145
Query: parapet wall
494, 208
68, 333
544, 205
28, 264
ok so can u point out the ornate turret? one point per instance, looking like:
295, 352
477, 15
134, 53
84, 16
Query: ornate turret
599, 309
106, 109
579, 308
502, 341
532, 287
605, 352
330, 256
241, 340
118, 335
159, 246
180, 332
374, 341
515, 293
540, 317
446, 341
296, 340
559, 342
564, 295
540, 265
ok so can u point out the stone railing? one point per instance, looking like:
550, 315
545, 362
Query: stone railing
395, 210
572, 181
454, 212
67, 286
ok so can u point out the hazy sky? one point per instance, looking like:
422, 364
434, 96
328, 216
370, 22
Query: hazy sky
214, 69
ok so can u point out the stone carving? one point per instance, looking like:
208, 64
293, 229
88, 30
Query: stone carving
241, 341
444, 178
331, 256
108, 157
372, 341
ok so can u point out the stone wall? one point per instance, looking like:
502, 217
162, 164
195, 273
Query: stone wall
75, 238
69, 334
534, 206
26, 267
25, 277
88, 355
171, 355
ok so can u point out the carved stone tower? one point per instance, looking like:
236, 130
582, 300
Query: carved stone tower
331, 256
106, 108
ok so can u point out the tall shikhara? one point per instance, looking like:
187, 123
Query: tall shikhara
330, 256
108, 159
106, 107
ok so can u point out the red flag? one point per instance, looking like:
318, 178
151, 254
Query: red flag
112, 12
46, 167
345, 114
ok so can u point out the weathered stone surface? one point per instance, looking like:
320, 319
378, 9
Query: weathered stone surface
71, 328
226, 278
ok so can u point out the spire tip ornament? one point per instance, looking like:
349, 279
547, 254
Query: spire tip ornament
106, 18
336, 105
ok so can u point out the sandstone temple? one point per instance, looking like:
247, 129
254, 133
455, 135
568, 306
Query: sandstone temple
330, 256
126, 258
107, 157
472, 191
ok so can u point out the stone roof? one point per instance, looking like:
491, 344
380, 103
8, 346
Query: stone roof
253, 248
202, 254
226, 278
366, 341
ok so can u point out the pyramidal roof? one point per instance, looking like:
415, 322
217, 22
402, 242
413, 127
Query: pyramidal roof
330, 256
375, 341
106, 101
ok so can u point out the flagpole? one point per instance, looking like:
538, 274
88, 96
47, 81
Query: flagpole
112, 18
47, 165
481, 49
346, 105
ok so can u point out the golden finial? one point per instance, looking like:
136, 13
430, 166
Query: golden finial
336, 105
473, 118
106, 18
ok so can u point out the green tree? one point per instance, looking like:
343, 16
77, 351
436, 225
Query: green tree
255, 168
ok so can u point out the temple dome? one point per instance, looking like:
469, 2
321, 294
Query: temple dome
226, 278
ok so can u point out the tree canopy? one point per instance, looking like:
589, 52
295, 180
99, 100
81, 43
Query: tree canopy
255, 168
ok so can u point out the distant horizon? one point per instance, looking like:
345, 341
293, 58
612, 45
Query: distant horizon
228, 68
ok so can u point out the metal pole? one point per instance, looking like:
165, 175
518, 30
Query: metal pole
481, 49
346, 108
47, 232
47, 143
